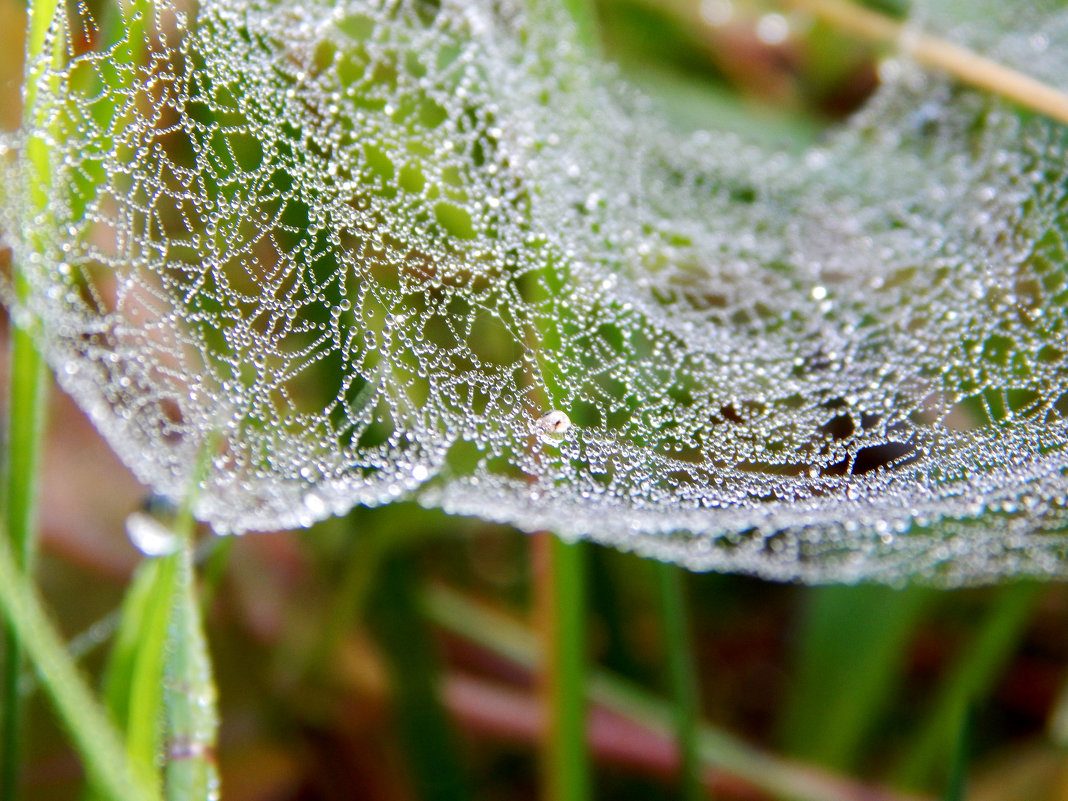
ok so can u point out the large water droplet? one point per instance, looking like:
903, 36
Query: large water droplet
150, 536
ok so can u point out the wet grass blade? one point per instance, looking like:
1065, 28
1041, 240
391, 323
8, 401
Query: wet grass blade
27, 408
133, 684
717, 749
189, 697
159, 684
957, 788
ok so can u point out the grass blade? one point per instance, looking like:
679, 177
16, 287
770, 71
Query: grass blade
159, 684
190, 716
425, 731
851, 649
93, 735
559, 582
965, 65
133, 687
970, 678
683, 680
25, 426
717, 749
957, 788
27, 407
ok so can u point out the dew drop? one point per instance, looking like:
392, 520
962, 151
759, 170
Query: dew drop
150, 536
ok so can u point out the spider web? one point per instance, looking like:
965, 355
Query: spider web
358, 248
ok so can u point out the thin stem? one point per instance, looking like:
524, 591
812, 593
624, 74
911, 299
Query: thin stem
28, 403
930, 51
191, 719
559, 567
78, 647
362, 560
683, 680
957, 787
561, 607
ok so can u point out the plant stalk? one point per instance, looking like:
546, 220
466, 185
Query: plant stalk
560, 602
969, 678
25, 425
433, 759
682, 678
26, 414
963, 64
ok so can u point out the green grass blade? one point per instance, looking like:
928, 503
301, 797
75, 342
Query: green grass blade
615, 586
425, 732
95, 737
851, 649
970, 679
47, 28
391, 528
957, 788
354, 591
560, 587
559, 572
133, 686
683, 679
191, 718
25, 426
26, 413
159, 684
42, 15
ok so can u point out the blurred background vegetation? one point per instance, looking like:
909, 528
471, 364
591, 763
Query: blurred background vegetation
393, 654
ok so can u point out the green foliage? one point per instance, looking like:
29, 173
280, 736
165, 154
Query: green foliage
134, 682
852, 647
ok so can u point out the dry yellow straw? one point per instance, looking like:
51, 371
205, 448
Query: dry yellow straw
968, 67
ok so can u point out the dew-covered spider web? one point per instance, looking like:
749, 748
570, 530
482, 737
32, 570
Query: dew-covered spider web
359, 248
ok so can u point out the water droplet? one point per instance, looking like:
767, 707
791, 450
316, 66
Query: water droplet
315, 505
553, 425
150, 536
